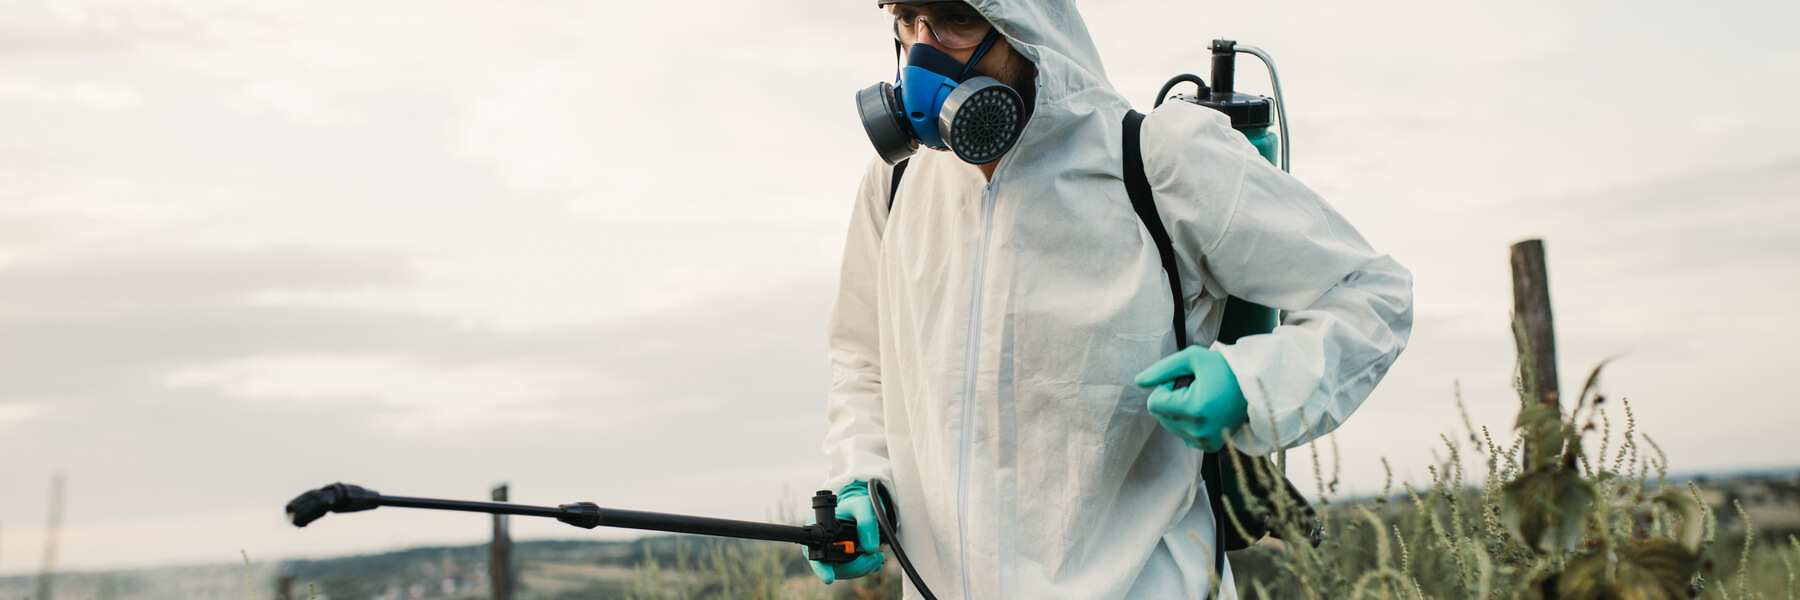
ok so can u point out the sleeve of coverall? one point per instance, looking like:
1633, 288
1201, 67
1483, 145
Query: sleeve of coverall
1247, 229
856, 443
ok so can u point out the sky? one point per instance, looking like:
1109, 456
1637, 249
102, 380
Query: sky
588, 249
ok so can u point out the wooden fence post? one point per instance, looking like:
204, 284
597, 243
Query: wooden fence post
500, 572
46, 584
1535, 334
284, 585
1535, 331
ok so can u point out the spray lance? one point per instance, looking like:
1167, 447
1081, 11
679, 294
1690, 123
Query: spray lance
833, 540
828, 540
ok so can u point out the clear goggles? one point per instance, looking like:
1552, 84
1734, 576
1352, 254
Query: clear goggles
955, 26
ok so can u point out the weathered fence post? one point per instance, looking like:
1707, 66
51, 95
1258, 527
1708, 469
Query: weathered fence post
1532, 322
284, 585
1533, 330
500, 553
47, 571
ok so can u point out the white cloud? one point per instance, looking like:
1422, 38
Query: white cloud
18, 88
1719, 123
291, 98
105, 96
419, 394
96, 95
15, 413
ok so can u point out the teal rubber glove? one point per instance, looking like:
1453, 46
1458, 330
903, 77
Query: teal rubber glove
1201, 413
854, 503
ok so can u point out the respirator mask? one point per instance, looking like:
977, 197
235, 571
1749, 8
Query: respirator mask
941, 104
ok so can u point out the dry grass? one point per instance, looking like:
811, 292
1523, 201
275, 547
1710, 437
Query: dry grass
1556, 522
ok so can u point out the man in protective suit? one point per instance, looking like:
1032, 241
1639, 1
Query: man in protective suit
1001, 340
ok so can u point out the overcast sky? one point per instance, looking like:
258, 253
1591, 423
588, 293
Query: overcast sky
251, 248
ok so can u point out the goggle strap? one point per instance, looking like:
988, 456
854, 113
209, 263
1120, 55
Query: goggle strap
987, 43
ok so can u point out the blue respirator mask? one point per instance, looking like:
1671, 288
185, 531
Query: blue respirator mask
941, 104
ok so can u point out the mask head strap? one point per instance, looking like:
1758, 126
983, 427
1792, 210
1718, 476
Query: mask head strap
899, 58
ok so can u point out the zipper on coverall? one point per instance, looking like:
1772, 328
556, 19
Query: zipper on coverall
970, 364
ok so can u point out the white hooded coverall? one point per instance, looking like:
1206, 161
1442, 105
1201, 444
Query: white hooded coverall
985, 336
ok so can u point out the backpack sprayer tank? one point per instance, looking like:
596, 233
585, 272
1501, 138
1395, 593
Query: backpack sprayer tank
1250, 115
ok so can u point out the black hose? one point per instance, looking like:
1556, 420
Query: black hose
1189, 77
879, 498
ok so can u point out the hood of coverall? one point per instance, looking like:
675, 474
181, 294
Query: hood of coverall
1072, 89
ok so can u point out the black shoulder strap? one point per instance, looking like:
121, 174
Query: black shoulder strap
894, 182
1137, 186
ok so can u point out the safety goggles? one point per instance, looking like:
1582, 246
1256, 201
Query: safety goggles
952, 25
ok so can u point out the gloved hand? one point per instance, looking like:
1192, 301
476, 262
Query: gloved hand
854, 503
1201, 413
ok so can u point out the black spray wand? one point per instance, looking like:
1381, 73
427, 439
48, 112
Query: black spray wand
829, 540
